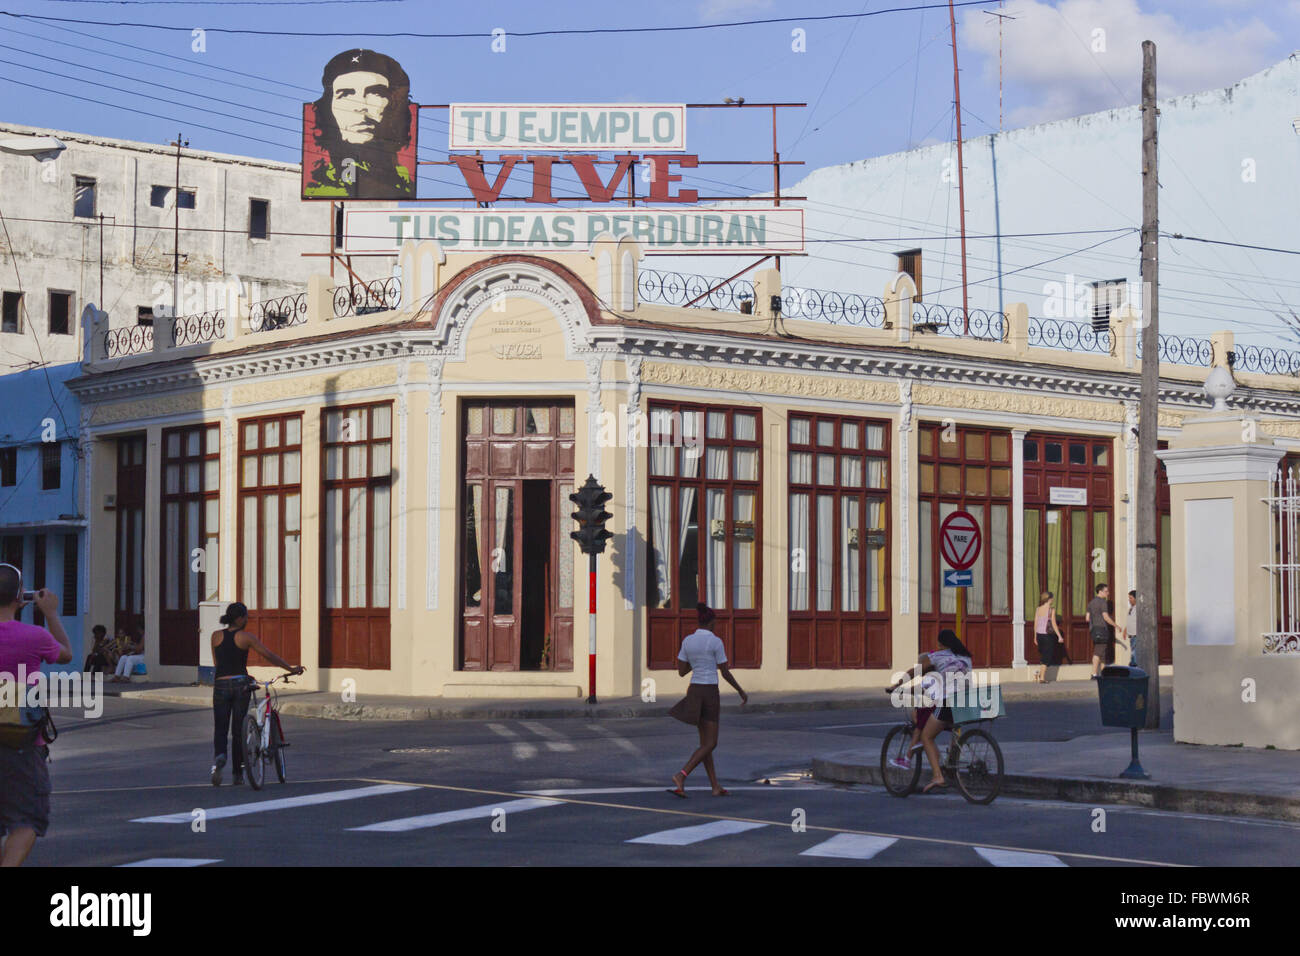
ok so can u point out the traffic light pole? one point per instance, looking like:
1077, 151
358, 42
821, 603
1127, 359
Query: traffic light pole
591, 634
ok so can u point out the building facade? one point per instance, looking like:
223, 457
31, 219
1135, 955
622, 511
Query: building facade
388, 491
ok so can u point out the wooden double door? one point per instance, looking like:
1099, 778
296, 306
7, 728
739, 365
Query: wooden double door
517, 560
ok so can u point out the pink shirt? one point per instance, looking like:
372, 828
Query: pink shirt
1041, 624
28, 645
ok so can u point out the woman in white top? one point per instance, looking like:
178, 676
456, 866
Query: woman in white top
703, 657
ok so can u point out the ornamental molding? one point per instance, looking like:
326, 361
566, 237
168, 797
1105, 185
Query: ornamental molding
315, 386
525, 280
777, 383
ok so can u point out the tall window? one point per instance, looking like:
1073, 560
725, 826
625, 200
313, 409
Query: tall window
83, 198
51, 465
8, 467
910, 263
10, 317
60, 313
259, 219
270, 523
144, 315
968, 469
1107, 297
191, 526
358, 452
69, 575
839, 541
704, 527
38, 574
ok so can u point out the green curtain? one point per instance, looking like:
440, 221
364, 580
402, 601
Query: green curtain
1032, 586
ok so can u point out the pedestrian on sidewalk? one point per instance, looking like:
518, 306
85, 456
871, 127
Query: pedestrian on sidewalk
232, 686
100, 657
1044, 625
132, 654
703, 657
24, 778
1131, 629
1100, 625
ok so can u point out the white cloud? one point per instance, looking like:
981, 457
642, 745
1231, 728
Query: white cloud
1085, 55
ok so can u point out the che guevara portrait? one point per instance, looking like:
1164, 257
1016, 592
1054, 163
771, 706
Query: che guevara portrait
359, 138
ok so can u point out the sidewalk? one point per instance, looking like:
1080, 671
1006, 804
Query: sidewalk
329, 704
1187, 778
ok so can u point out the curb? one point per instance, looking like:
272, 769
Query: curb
1152, 796
509, 710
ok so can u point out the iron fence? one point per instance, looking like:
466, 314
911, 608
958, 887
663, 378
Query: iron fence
1072, 336
130, 340
199, 328
278, 313
363, 298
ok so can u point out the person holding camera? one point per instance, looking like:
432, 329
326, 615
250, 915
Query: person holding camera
232, 686
24, 778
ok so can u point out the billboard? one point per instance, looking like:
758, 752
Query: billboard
771, 230
359, 138
554, 127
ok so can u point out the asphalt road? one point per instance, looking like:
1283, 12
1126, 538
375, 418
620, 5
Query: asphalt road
131, 786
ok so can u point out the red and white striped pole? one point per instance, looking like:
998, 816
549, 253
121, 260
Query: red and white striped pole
591, 636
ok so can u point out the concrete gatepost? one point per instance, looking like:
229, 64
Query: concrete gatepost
1123, 337
767, 283
320, 298
1017, 328
899, 294
1226, 691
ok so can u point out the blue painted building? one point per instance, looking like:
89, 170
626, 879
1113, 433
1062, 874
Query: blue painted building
42, 493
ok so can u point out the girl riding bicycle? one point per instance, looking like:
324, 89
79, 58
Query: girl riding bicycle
230, 690
952, 658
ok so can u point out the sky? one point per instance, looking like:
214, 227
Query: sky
874, 84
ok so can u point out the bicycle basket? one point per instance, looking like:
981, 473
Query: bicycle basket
967, 714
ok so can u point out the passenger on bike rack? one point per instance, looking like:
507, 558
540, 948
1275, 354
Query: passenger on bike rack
952, 658
230, 690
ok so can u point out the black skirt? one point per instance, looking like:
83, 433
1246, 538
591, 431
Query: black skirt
702, 704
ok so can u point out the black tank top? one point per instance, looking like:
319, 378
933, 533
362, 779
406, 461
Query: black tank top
231, 659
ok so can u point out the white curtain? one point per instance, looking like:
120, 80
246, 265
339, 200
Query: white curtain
850, 554
691, 443
717, 571
975, 594
799, 552
875, 555
502, 595
271, 551
334, 547
661, 442
211, 544
927, 558
292, 550
172, 599
825, 551
251, 585
685, 519
661, 529
947, 596
1000, 575
744, 553
380, 501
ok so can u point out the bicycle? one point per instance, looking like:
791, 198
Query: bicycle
972, 756
263, 734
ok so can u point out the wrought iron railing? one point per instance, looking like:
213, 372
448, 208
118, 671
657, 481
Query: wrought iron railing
278, 313
129, 340
837, 307
1072, 336
1254, 358
363, 298
1182, 350
683, 288
196, 329
951, 320
1284, 552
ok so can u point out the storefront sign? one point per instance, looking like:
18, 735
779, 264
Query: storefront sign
772, 230
1068, 496
593, 127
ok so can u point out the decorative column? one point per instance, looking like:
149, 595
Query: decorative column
905, 496
402, 456
433, 479
593, 417
630, 488
1018, 548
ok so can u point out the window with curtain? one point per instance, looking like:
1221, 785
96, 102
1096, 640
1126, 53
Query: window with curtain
357, 447
704, 510
270, 512
191, 525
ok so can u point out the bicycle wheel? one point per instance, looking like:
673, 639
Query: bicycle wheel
979, 766
277, 748
900, 781
254, 759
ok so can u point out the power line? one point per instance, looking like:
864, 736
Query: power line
1224, 242
588, 31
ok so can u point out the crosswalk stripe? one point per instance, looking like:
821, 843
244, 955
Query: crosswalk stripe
168, 861
521, 749
850, 846
307, 800
555, 740
455, 816
1018, 857
685, 836
621, 742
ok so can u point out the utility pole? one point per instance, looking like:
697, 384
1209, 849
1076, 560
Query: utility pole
961, 172
1147, 580
176, 232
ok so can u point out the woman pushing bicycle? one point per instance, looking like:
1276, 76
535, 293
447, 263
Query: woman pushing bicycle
230, 690
952, 658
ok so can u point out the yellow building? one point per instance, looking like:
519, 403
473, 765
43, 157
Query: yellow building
388, 491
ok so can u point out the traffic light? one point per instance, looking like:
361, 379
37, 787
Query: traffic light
591, 516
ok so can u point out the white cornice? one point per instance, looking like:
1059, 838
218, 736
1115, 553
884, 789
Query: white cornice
1221, 463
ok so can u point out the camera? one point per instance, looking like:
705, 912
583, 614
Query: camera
29, 597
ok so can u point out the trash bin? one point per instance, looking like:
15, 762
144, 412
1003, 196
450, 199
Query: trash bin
1122, 692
